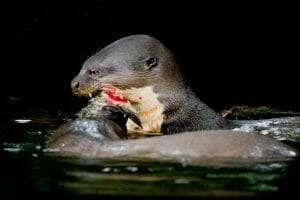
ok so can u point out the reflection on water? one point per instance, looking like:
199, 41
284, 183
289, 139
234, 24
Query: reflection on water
163, 178
31, 170
282, 129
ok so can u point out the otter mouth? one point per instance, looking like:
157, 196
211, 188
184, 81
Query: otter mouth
111, 96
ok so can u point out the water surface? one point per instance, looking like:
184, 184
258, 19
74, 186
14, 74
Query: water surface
30, 169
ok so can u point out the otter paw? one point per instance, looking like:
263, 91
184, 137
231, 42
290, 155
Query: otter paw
116, 114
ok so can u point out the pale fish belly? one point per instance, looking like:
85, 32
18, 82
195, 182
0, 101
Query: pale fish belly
148, 108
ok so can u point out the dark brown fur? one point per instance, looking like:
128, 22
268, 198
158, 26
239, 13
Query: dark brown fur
124, 64
127, 63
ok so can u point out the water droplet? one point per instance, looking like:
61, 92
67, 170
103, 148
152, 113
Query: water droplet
22, 121
106, 169
12, 149
132, 168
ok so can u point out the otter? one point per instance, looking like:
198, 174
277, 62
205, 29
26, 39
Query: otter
147, 74
139, 69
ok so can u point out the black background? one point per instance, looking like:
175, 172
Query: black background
233, 52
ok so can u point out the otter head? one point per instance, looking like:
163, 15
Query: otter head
131, 62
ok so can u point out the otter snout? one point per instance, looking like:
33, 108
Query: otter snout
76, 85
84, 85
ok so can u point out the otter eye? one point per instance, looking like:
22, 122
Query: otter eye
92, 72
151, 62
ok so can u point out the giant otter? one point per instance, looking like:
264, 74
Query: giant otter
146, 73
141, 70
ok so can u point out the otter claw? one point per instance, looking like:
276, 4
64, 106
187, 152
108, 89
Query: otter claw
133, 117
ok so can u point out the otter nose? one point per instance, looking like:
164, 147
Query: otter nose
75, 84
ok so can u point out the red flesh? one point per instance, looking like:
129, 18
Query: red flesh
112, 97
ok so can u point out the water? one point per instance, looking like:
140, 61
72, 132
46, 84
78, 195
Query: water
28, 169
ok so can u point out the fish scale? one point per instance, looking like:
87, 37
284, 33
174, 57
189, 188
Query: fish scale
95, 105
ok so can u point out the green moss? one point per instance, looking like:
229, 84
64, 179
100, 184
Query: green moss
247, 112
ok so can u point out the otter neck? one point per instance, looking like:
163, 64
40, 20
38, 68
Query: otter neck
184, 111
147, 107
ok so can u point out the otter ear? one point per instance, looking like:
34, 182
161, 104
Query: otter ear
151, 62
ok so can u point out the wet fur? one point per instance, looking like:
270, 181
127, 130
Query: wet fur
200, 147
122, 64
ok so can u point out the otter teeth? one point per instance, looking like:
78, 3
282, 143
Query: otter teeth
90, 95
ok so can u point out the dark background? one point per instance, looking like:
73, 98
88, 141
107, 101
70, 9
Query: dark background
233, 52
